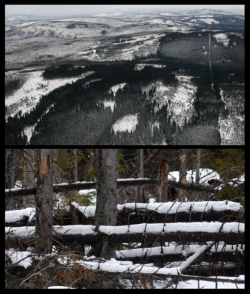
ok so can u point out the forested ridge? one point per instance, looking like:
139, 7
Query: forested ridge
81, 104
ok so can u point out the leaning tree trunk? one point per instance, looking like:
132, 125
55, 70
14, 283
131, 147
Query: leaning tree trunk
183, 173
44, 201
106, 204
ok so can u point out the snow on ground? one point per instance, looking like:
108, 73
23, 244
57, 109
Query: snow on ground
157, 20
179, 99
117, 266
208, 20
86, 191
15, 256
115, 88
194, 284
60, 287
206, 174
110, 104
170, 22
26, 98
25, 24
156, 124
140, 66
126, 123
232, 128
29, 130
222, 38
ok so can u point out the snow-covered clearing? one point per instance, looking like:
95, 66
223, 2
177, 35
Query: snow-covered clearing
208, 20
26, 98
126, 123
140, 66
222, 38
115, 88
110, 104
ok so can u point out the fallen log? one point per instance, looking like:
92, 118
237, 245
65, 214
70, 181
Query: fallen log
136, 213
142, 233
120, 182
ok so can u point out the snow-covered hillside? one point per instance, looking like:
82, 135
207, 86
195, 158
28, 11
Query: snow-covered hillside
26, 98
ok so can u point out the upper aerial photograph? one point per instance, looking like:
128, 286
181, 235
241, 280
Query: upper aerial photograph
125, 75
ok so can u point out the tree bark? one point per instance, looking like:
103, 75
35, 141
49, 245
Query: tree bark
141, 160
106, 204
44, 202
75, 169
162, 188
183, 173
9, 176
198, 164
29, 179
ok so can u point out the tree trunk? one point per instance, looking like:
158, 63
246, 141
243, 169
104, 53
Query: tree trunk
106, 204
162, 188
141, 160
183, 173
75, 169
44, 201
29, 176
9, 176
198, 164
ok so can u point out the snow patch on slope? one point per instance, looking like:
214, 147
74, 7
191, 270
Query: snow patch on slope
110, 104
126, 123
179, 99
26, 98
140, 66
222, 38
208, 20
115, 88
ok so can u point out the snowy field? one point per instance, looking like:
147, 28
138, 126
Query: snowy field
126, 123
222, 38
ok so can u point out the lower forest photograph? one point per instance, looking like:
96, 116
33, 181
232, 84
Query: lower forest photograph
125, 218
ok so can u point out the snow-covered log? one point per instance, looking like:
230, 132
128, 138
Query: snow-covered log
135, 213
177, 252
142, 233
132, 213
